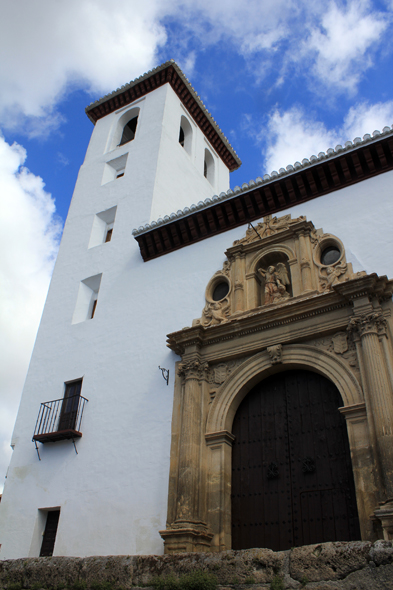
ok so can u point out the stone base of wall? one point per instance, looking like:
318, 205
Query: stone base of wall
328, 566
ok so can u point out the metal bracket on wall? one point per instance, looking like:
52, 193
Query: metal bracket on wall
36, 448
165, 374
256, 231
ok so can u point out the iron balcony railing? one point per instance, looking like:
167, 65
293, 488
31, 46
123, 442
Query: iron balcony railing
60, 419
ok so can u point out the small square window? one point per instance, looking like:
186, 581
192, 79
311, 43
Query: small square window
86, 303
109, 231
114, 169
93, 309
102, 229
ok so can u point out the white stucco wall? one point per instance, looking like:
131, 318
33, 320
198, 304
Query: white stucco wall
113, 494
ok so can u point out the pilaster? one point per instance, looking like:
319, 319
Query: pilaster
369, 326
189, 531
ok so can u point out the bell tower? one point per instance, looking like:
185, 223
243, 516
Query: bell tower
91, 401
154, 143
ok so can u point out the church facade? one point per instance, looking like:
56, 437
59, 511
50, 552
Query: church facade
221, 376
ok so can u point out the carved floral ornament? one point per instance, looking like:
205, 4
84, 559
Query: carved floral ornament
268, 227
193, 369
279, 260
275, 353
368, 323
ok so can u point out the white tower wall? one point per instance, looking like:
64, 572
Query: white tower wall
113, 494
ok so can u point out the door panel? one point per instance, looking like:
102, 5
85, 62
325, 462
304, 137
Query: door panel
292, 481
49, 536
69, 408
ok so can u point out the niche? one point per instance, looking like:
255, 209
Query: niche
274, 277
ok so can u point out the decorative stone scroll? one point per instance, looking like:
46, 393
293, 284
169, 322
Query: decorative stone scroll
330, 276
342, 345
218, 374
268, 227
275, 353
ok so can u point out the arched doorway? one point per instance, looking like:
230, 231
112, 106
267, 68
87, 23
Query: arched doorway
292, 480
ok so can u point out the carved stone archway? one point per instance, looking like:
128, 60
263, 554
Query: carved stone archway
320, 317
231, 394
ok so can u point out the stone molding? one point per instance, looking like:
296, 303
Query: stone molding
233, 391
217, 438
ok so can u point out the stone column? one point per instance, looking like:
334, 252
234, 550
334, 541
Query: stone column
189, 530
385, 514
379, 402
305, 264
367, 483
238, 275
253, 287
219, 488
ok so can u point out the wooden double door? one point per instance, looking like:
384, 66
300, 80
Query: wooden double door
292, 480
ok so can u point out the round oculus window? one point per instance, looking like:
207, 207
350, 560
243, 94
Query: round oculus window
330, 255
221, 290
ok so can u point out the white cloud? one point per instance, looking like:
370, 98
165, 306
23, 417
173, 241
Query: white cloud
341, 44
50, 45
29, 236
294, 134
254, 25
365, 118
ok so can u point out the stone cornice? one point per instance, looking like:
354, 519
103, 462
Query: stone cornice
259, 320
294, 310
367, 285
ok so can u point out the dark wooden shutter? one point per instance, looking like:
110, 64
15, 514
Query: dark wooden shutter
48, 541
292, 480
69, 408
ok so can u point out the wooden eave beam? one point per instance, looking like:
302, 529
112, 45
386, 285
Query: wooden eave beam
301, 186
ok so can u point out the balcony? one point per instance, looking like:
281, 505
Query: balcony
60, 419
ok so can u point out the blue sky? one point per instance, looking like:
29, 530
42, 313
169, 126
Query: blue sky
283, 79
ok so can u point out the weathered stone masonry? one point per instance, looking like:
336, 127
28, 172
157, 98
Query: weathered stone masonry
329, 566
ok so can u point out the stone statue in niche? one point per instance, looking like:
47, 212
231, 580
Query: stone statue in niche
276, 279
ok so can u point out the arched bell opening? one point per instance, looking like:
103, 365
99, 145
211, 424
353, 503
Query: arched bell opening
185, 135
292, 479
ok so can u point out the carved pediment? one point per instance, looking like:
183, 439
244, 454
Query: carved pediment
268, 227
279, 259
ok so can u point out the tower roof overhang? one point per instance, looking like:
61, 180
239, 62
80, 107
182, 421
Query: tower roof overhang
168, 73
